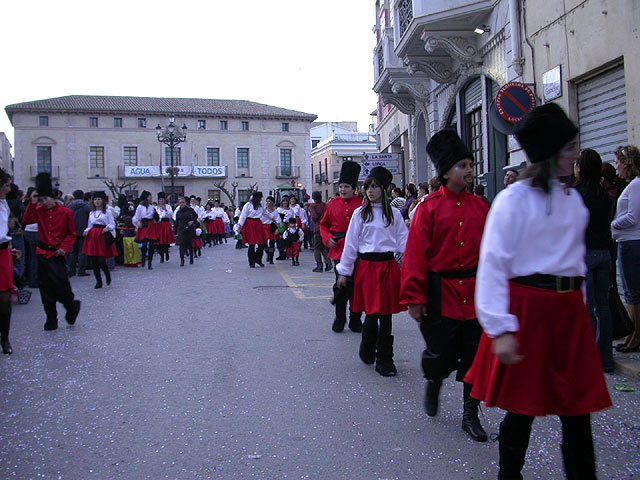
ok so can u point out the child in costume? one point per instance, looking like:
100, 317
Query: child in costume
293, 238
96, 246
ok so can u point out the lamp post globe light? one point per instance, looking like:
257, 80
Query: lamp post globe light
171, 136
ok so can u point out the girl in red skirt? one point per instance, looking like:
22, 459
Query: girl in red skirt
96, 247
6, 264
270, 223
375, 233
538, 354
163, 229
293, 238
146, 233
250, 223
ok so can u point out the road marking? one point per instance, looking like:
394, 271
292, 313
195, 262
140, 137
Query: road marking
297, 288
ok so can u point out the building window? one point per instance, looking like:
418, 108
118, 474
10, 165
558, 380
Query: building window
142, 123
96, 157
474, 129
285, 162
243, 196
314, 143
242, 156
44, 121
285, 126
213, 195
44, 159
405, 14
130, 156
117, 123
202, 124
224, 125
213, 157
245, 126
176, 156
93, 122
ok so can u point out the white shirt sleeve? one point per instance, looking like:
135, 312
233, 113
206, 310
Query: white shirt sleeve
111, 223
401, 231
90, 223
138, 216
351, 244
629, 218
243, 215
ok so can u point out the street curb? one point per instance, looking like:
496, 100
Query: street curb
629, 367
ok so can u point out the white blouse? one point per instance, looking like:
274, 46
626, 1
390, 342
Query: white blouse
527, 232
287, 212
626, 225
371, 237
298, 211
98, 217
166, 212
249, 212
143, 212
271, 217
291, 231
4, 222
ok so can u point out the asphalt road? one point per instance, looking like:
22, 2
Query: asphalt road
219, 371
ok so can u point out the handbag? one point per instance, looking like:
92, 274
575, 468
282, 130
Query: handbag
109, 238
622, 324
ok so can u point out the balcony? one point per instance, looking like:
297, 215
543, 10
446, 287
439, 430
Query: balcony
54, 171
318, 179
287, 172
322, 178
336, 174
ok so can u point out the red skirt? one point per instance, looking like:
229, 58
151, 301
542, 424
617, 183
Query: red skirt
164, 233
560, 373
293, 250
95, 245
376, 288
6, 270
267, 232
197, 243
146, 233
253, 232
217, 227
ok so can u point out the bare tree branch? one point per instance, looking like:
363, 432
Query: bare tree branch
222, 187
118, 188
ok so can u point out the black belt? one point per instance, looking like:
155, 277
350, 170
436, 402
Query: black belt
101, 227
376, 256
434, 292
550, 282
145, 222
254, 219
471, 273
4, 246
44, 246
338, 235
164, 220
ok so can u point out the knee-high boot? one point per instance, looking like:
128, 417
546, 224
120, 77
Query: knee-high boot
513, 449
577, 448
384, 356
161, 253
144, 252
96, 272
5, 323
150, 256
107, 273
470, 422
367, 351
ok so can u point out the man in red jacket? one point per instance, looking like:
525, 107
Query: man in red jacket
333, 229
438, 274
56, 236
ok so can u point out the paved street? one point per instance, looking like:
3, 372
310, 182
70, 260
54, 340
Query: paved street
220, 371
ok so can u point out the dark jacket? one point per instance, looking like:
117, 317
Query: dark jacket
183, 217
81, 211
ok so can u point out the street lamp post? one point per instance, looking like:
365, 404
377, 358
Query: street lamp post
171, 136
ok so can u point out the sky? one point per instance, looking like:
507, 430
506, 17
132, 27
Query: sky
311, 56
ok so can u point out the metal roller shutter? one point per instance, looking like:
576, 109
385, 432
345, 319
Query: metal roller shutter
602, 113
473, 96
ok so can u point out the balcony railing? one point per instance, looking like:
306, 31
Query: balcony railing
318, 178
54, 171
287, 172
405, 15
336, 174
324, 177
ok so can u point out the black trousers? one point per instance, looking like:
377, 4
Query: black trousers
76, 257
54, 286
341, 304
451, 345
255, 254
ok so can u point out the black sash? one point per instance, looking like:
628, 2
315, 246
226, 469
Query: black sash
434, 291
376, 256
338, 235
164, 220
4, 246
145, 222
44, 246
100, 227
550, 282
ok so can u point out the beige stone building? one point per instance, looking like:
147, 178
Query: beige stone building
87, 140
440, 63
6, 159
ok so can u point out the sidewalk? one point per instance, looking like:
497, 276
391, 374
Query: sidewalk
627, 364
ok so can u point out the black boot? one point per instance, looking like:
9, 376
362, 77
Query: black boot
144, 254
107, 273
513, 450
52, 315
150, 260
355, 324
182, 260
367, 349
5, 322
432, 397
73, 311
341, 317
470, 422
161, 252
96, 273
577, 448
384, 357
166, 254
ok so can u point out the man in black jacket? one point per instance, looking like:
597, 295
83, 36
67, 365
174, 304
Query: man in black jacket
81, 210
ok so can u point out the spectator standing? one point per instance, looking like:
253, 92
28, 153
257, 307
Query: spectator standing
31, 243
411, 193
320, 251
81, 210
398, 199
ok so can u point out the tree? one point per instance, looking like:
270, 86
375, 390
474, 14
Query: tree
117, 189
230, 194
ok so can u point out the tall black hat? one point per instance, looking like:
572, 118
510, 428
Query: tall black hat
446, 149
256, 195
382, 175
144, 195
292, 220
544, 131
349, 173
43, 185
100, 194
161, 195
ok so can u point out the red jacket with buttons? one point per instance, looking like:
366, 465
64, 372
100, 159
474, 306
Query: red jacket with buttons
336, 219
445, 236
56, 227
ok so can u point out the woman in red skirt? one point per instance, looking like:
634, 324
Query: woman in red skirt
6, 264
270, 223
250, 222
538, 354
96, 246
376, 232
163, 229
146, 233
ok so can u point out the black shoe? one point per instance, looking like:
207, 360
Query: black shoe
167, 255
271, 261
367, 350
50, 325
149, 266
252, 266
73, 314
470, 422
328, 268
431, 397
83, 274
260, 263
317, 269
182, 262
98, 285
384, 357
355, 324
6, 347
161, 258
191, 261
338, 325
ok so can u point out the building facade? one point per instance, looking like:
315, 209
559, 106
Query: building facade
439, 64
231, 145
6, 159
335, 145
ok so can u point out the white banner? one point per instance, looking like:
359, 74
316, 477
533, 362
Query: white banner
183, 171
142, 171
215, 172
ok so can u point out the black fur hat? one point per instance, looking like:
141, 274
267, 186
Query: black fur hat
144, 195
256, 195
382, 175
445, 149
349, 173
43, 185
161, 195
544, 131
100, 194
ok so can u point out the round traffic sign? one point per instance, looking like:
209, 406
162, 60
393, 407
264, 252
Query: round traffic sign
514, 100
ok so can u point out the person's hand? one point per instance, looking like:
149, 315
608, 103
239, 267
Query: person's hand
60, 253
84, 234
417, 311
342, 281
17, 254
505, 347
333, 243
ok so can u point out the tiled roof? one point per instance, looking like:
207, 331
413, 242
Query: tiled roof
165, 106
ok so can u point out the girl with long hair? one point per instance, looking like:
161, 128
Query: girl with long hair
250, 222
164, 232
146, 233
96, 246
375, 234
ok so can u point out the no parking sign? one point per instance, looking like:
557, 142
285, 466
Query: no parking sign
514, 100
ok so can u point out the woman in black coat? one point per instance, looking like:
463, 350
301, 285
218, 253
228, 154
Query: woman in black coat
186, 222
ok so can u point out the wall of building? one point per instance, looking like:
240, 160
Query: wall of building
6, 159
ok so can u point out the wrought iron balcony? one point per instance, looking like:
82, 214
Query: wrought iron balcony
54, 171
287, 172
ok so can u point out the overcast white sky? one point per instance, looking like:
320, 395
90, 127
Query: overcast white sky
311, 56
